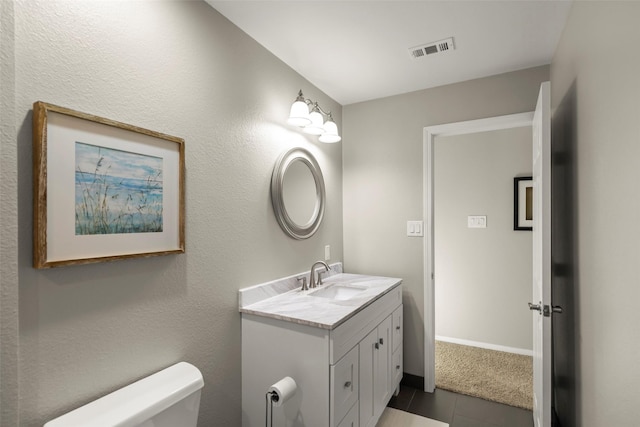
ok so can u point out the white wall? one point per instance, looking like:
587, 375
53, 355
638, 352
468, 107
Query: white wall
482, 275
383, 178
179, 68
607, 92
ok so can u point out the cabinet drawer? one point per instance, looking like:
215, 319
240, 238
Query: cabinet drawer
396, 368
351, 419
344, 386
397, 326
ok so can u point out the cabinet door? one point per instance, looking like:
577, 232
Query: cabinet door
382, 379
344, 386
368, 361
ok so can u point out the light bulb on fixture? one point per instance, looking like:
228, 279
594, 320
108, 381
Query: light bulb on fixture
330, 134
299, 114
317, 122
313, 122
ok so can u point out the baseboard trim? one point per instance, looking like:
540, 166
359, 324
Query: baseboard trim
488, 346
414, 381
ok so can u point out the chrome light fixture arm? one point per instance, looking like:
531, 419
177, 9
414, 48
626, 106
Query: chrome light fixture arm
312, 103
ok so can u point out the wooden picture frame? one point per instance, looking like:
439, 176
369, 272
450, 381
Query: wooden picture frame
523, 203
103, 190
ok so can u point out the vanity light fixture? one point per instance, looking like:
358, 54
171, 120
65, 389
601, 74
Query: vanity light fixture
313, 122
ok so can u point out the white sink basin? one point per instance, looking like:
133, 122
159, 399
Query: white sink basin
337, 292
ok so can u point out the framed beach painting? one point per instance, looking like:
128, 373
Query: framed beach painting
523, 203
103, 190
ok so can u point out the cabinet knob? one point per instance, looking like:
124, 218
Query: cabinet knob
381, 341
398, 328
377, 346
347, 384
397, 366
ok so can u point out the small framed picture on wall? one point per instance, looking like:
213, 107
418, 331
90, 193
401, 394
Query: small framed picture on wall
523, 203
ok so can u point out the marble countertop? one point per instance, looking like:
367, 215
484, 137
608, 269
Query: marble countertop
304, 308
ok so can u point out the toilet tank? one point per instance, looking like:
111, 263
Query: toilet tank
168, 398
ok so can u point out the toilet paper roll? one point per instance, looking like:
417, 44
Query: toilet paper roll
282, 390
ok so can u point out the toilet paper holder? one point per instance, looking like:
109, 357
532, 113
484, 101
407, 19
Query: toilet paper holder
277, 394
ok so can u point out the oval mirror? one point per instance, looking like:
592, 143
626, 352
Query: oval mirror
297, 193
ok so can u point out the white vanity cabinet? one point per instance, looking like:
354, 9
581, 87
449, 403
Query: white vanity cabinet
345, 373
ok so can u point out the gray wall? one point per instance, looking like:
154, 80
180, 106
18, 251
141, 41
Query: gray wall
383, 181
8, 224
179, 68
606, 316
483, 275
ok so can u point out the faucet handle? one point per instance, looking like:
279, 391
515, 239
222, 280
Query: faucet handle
303, 279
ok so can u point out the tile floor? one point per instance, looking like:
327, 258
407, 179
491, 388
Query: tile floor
459, 410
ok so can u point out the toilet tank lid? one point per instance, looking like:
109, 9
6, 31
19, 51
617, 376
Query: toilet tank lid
137, 402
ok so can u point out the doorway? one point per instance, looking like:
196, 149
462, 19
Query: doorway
430, 135
484, 266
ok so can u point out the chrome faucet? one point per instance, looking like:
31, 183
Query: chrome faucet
312, 278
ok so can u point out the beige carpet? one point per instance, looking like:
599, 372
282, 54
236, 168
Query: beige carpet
396, 418
488, 374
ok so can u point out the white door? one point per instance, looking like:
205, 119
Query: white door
541, 303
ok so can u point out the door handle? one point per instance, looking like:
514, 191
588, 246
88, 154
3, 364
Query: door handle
548, 310
545, 309
536, 307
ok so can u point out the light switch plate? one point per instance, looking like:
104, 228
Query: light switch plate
477, 221
327, 252
415, 229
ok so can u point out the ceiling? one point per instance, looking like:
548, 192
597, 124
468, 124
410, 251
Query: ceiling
359, 50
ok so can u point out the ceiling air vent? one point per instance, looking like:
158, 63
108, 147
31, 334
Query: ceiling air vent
432, 48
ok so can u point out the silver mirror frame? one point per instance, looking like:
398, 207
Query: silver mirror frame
294, 230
